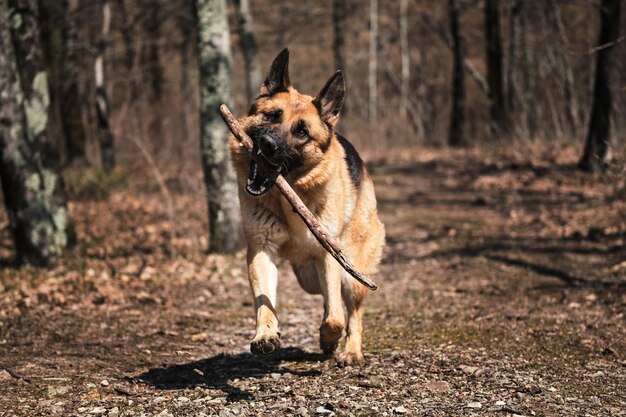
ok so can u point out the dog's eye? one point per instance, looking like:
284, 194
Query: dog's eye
273, 116
301, 132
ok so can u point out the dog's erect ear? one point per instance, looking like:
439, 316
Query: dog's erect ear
277, 79
330, 100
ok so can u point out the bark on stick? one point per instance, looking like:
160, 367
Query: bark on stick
328, 241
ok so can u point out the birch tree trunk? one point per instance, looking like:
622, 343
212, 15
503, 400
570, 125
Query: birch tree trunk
107, 140
32, 187
598, 148
373, 64
250, 50
215, 89
457, 118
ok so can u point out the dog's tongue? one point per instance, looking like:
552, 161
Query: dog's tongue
258, 184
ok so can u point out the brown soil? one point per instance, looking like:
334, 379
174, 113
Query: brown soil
502, 292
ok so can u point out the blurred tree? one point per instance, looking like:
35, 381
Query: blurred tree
32, 187
457, 120
514, 34
107, 140
249, 48
339, 39
59, 44
128, 36
215, 89
598, 148
151, 47
495, 77
405, 57
373, 64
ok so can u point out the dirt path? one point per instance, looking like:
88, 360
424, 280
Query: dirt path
502, 292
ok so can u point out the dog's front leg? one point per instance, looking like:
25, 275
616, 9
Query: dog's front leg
331, 330
263, 277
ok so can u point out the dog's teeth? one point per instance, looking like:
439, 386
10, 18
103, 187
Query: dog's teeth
249, 181
261, 189
259, 152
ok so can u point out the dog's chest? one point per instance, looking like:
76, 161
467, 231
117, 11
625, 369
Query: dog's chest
301, 243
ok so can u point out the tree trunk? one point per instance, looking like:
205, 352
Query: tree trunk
59, 44
565, 67
107, 140
514, 33
250, 50
598, 148
373, 64
31, 185
405, 54
495, 78
215, 89
152, 47
457, 120
339, 40
128, 37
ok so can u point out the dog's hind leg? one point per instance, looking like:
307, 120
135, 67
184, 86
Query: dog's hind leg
331, 330
263, 277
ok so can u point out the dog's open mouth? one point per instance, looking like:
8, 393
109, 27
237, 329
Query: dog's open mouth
260, 181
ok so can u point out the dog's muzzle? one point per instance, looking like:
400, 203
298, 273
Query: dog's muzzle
263, 176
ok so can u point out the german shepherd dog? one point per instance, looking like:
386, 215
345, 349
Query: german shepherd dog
295, 133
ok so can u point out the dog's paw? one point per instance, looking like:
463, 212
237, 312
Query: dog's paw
330, 334
350, 358
264, 345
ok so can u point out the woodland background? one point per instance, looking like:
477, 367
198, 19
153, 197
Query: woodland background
503, 284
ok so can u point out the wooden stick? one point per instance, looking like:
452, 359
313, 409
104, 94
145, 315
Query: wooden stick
328, 241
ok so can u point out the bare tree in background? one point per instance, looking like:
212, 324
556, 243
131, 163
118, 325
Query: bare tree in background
249, 48
405, 56
373, 64
339, 39
514, 34
495, 76
31, 184
598, 148
215, 89
565, 67
457, 118
107, 140
59, 41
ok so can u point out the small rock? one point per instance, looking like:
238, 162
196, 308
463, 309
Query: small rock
400, 410
468, 369
437, 386
58, 390
323, 411
302, 412
275, 375
166, 413
500, 403
597, 374
183, 399
104, 383
474, 405
97, 411
114, 412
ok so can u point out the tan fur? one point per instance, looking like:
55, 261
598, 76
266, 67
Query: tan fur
273, 230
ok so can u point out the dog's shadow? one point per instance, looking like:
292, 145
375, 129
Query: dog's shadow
218, 371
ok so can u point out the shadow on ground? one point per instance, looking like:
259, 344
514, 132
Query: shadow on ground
217, 371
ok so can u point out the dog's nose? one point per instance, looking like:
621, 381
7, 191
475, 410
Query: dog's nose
268, 145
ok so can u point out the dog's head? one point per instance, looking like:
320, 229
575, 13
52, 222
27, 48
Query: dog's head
291, 131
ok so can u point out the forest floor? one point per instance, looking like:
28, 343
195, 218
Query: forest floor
502, 292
